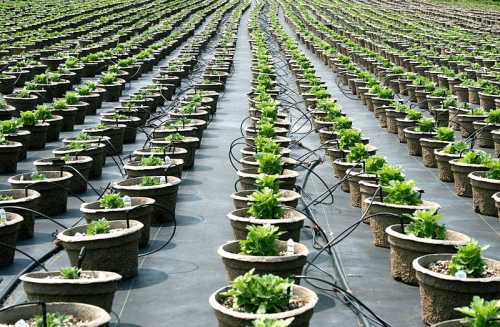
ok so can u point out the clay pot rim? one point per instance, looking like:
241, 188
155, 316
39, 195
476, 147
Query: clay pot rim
198, 112
48, 161
419, 268
287, 173
128, 119
84, 207
297, 216
425, 205
455, 162
32, 195
101, 316
64, 149
11, 145
444, 154
12, 219
171, 181
176, 150
390, 230
131, 165
187, 139
250, 160
496, 131
250, 150
97, 140
135, 226
309, 305
300, 251
108, 127
287, 195
15, 179
449, 323
476, 176
411, 130
277, 129
41, 278
12, 96
434, 141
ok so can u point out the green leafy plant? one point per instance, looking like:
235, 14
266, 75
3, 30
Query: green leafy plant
28, 118
83, 90
468, 259
59, 104
82, 136
101, 126
413, 114
424, 224
441, 92
100, 226
9, 126
493, 169
43, 112
493, 117
266, 322
266, 144
445, 134
341, 123
476, 158
262, 240
6, 197
152, 161
358, 152
111, 201
389, 173
70, 272
268, 181
480, 313
175, 137
269, 163
266, 128
456, 147
54, 319
108, 78
76, 146
38, 177
23, 94
71, 98
265, 204
259, 294
402, 192
374, 163
348, 137
150, 181
425, 125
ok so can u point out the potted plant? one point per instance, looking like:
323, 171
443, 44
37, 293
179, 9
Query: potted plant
94, 150
423, 235
12, 132
410, 120
369, 188
111, 245
22, 100
443, 156
462, 167
130, 122
116, 134
68, 313
424, 128
160, 188
466, 120
10, 153
355, 158
86, 94
263, 252
154, 166
244, 301
113, 86
82, 164
73, 101
189, 143
72, 284
447, 281
37, 129
367, 172
443, 137
265, 208
268, 164
68, 113
401, 197
484, 185
479, 313
44, 114
483, 129
9, 227
25, 199
6, 111
113, 206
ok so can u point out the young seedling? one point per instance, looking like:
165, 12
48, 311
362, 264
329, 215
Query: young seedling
261, 241
101, 226
111, 201
70, 272
403, 193
469, 260
424, 225
265, 205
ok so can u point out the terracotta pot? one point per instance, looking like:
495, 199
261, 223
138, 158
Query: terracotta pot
97, 288
284, 266
92, 315
93, 211
380, 222
291, 223
165, 194
407, 247
53, 191
413, 140
483, 189
429, 146
230, 318
443, 164
460, 176
8, 235
82, 164
116, 252
9, 155
440, 294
